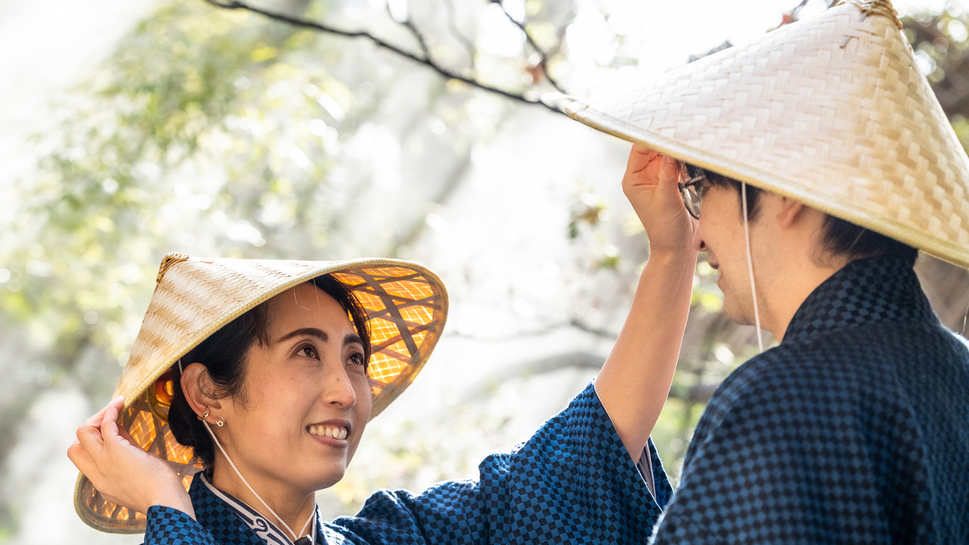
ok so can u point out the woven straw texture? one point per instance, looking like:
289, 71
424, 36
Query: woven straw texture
831, 111
406, 306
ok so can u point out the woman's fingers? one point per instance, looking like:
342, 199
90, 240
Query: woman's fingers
90, 439
109, 425
127, 436
84, 463
95, 419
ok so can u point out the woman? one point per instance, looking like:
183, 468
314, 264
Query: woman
274, 404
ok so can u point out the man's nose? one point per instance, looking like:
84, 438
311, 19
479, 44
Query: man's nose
698, 242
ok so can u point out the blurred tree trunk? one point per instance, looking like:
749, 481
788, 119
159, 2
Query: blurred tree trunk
937, 37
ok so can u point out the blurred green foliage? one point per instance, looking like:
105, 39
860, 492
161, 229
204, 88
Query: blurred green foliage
222, 133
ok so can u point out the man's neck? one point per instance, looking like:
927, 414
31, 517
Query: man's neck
787, 296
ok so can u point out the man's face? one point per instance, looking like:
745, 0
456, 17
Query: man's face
721, 235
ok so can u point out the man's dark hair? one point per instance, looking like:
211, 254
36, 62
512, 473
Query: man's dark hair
224, 355
839, 237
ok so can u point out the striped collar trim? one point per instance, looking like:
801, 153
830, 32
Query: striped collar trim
259, 524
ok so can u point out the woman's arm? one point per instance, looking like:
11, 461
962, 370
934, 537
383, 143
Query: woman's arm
123, 473
635, 380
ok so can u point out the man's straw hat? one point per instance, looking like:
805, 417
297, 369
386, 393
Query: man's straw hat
406, 306
830, 111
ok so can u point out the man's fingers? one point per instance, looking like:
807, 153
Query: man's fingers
639, 158
643, 150
669, 170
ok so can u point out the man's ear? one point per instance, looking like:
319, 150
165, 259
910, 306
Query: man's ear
199, 389
790, 211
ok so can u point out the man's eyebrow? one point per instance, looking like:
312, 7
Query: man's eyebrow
308, 331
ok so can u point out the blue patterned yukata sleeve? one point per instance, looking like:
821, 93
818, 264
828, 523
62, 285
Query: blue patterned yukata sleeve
572, 482
168, 526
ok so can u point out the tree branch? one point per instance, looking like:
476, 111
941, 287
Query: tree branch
452, 24
541, 54
409, 25
303, 23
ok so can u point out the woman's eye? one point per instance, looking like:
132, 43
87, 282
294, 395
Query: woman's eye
357, 359
309, 351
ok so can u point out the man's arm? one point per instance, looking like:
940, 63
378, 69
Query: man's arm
635, 380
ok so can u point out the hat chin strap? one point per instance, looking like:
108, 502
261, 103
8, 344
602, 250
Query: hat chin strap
750, 268
964, 320
245, 482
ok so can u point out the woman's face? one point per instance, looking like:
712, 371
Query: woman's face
306, 397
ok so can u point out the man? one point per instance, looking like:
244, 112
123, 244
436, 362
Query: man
828, 163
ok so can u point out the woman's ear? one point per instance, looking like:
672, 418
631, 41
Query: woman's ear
198, 389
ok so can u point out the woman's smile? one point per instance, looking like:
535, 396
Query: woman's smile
313, 372
331, 432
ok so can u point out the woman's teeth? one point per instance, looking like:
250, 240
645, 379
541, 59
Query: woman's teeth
329, 431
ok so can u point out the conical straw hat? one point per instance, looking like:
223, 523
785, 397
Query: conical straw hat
406, 306
831, 111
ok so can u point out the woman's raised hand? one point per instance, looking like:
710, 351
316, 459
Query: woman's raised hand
124, 473
650, 185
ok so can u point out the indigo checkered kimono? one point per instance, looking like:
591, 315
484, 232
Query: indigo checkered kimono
854, 430
572, 482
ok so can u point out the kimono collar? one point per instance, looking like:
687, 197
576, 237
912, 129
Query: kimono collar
215, 509
865, 291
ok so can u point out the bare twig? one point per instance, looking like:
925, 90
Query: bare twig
794, 15
452, 24
416, 33
303, 23
538, 332
541, 54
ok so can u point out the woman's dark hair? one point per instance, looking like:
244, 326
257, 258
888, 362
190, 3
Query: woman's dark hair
838, 238
224, 355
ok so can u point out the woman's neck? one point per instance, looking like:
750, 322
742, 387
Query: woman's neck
293, 506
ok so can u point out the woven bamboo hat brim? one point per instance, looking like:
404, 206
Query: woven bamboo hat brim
406, 306
831, 111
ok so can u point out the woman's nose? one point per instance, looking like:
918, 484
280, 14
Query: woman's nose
339, 391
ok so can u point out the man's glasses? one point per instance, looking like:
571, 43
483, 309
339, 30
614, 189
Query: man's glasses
692, 189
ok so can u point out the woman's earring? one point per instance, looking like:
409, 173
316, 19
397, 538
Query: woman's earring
204, 415
220, 422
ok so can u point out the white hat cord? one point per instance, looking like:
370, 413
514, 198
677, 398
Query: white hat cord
245, 482
750, 268
964, 320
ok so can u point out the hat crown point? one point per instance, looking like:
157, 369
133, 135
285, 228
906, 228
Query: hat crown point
878, 7
169, 260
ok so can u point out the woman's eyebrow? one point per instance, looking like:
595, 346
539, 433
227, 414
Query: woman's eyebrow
351, 338
309, 331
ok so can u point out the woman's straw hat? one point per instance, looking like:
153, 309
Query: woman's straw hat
830, 111
406, 305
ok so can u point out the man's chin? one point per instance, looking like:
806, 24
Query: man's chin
735, 315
